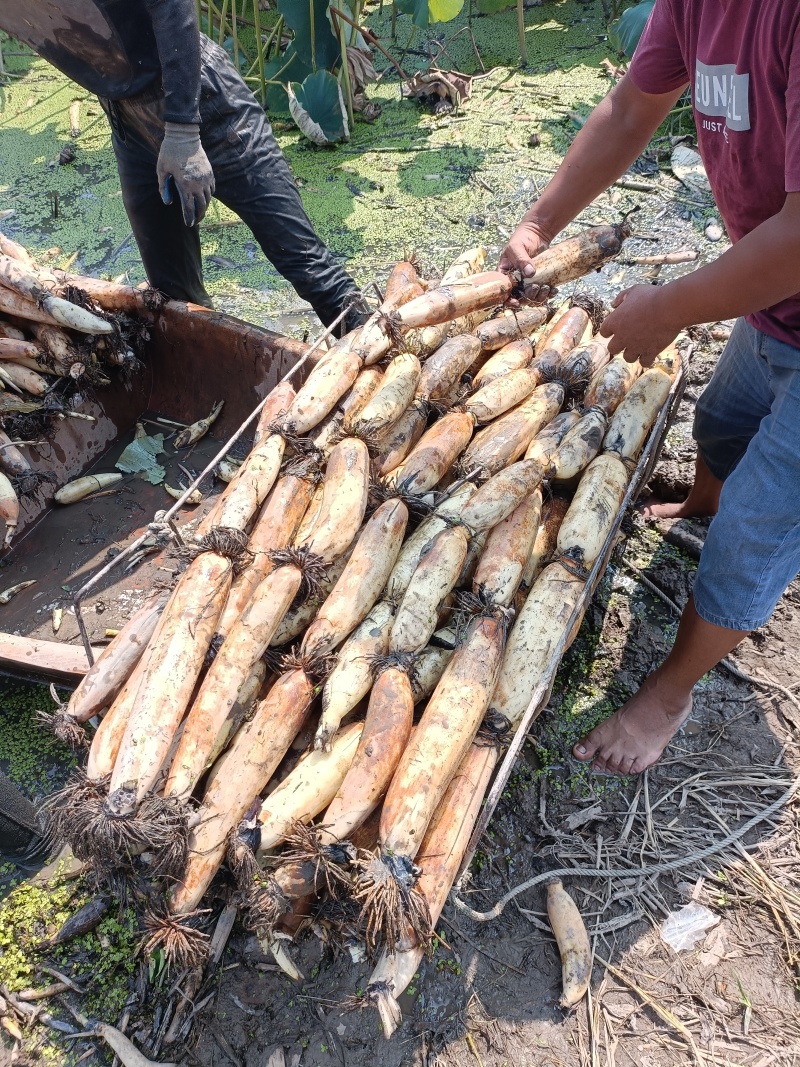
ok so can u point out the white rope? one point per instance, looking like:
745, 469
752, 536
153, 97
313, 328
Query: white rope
642, 872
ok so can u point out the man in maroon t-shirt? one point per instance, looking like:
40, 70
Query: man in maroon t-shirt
741, 59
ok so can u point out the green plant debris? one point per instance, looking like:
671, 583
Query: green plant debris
647, 548
31, 757
588, 687
585, 692
139, 457
30, 915
102, 962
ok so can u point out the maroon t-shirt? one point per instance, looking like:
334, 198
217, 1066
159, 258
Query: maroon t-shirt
742, 59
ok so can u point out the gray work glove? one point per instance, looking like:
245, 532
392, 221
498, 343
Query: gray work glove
183, 164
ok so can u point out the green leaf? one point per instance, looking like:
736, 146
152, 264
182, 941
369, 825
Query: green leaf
318, 50
317, 106
285, 68
625, 33
424, 12
306, 53
352, 36
276, 101
417, 9
139, 458
444, 10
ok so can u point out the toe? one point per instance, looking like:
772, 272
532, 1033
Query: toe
599, 766
614, 766
617, 760
586, 749
640, 765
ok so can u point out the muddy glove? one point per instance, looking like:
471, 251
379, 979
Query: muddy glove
183, 164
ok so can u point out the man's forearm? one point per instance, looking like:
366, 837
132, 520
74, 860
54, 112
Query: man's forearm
177, 37
615, 134
757, 272
760, 270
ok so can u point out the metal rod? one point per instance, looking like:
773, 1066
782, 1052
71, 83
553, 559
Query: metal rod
84, 635
154, 527
541, 693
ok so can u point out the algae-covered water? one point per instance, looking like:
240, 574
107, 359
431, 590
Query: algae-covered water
410, 181
102, 961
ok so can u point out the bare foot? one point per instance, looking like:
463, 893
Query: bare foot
634, 737
701, 503
685, 509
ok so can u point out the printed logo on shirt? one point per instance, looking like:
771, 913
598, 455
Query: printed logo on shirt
720, 92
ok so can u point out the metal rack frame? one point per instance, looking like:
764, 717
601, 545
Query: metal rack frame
541, 694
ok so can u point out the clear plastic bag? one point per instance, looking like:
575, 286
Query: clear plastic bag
683, 928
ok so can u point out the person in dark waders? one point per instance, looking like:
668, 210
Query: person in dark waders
185, 127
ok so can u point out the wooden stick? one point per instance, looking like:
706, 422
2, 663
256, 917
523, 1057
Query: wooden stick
46, 991
50, 658
523, 48
637, 187
373, 40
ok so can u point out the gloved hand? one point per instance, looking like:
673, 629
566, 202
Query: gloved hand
183, 162
357, 314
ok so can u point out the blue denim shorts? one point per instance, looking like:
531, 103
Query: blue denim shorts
747, 429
